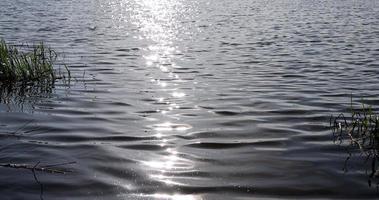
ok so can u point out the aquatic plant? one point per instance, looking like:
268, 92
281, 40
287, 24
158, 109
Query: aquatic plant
360, 129
28, 64
28, 71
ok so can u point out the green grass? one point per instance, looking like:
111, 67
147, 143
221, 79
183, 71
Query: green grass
27, 64
359, 131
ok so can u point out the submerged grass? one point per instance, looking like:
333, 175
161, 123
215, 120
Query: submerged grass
28, 64
360, 130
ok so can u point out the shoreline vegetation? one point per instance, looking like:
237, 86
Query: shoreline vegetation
29, 64
358, 132
28, 70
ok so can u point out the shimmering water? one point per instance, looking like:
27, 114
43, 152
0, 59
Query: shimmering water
198, 99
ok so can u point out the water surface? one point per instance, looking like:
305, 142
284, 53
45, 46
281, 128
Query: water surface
194, 100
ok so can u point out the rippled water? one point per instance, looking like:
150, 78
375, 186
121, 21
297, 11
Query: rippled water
199, 99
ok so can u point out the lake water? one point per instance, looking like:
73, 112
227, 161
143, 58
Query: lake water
191, 99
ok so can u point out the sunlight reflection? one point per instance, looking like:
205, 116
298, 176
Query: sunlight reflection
174, 105
171, 151
157, 22
172, 75
163, 84
163, 68
160, 99
152, 58
176, 197
149, 63
178, 94
168, 126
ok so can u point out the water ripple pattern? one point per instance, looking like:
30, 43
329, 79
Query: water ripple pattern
191, 100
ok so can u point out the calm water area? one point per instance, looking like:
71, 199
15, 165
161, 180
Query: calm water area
191, 99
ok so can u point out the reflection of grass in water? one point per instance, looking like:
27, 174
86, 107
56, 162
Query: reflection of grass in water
28, 64
361, 132
18, 93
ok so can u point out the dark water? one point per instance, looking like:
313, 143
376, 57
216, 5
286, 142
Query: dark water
190, 100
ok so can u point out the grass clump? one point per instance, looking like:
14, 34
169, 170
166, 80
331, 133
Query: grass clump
27, 64
360, 130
